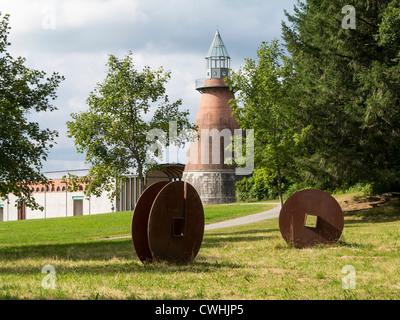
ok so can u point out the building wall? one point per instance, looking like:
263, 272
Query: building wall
56, 204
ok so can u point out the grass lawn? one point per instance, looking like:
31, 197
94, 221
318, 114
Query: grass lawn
99, 226
247, 262
215, 213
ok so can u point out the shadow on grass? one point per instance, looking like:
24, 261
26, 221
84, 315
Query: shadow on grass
116, 249
245, 232
343, 243
99, 258
75, 251
116, 256
129, 268
225, 238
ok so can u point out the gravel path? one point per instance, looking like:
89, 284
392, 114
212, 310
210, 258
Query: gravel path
269, 214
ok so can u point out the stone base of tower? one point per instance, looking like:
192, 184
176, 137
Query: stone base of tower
213, 187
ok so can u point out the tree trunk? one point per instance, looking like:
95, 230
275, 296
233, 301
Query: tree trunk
141, 177
280, 185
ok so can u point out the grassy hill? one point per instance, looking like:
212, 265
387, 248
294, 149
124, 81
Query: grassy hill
80, 228
247, 262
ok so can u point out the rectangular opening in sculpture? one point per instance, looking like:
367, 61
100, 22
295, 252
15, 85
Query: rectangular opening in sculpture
178, 227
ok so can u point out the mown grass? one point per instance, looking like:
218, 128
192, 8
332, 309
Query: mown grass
215, 213
247, 262
88, 227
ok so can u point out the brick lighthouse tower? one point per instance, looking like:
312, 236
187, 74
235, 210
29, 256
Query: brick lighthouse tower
205, 167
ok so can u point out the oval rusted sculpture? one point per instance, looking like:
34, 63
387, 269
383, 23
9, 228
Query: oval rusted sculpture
168, 223
140, 220
311, 202
176, 223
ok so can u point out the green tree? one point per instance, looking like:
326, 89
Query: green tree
349, 85
113, 132
265, 102
262, 185
23, 144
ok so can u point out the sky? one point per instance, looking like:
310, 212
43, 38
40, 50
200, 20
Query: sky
75, 38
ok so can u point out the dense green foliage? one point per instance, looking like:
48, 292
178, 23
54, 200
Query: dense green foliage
262, 185
347, 97
23, 144
349, 86
265, 102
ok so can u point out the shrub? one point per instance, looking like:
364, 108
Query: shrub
261, 186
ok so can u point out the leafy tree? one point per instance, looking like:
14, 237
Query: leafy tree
265, 102
113, 132
260, 186
349, 85
23, 144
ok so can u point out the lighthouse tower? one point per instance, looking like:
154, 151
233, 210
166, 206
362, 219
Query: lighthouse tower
206, 167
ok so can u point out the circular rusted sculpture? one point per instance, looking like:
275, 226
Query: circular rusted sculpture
168, 223
311, 202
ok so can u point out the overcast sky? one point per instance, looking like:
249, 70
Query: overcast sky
75, 38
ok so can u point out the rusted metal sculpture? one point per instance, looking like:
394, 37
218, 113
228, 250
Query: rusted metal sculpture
311, 202
140, 220
168, 223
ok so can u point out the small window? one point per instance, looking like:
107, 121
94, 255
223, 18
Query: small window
178, 227
58, 188
37, 190
310, 221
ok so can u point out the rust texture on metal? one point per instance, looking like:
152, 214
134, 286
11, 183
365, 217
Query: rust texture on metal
140, 220
311, 202
168, 223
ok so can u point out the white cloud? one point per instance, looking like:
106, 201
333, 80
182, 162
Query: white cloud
79, 14
174, 34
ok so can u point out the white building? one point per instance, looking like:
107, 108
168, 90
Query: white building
57, 201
